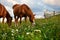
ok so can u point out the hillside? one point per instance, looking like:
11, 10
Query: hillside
52, 26
45, 29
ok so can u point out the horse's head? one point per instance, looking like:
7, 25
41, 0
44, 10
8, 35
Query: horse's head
9, 18
32, 19
9, 21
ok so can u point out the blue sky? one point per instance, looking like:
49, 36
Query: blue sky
37, 6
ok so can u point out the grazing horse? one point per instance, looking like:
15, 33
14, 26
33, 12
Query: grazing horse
23, 11
5, 14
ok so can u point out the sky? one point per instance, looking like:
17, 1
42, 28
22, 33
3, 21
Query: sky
37, 6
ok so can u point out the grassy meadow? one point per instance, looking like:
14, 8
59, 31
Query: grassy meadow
45, 29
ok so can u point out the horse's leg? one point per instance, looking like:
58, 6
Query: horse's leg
3, 19
20, 19
26, 19
15, 20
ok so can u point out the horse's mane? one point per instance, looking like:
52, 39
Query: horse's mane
21, 5
15, 5
0, 4
5, 9
7, 15
2, 9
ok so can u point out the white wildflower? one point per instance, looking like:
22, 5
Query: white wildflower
17, 30
12, 34
37, 30
5, 33
12, 31
28, 33
29, 26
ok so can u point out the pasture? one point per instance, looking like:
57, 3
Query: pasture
45, 29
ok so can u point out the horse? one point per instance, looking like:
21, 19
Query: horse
23, 11
5, 14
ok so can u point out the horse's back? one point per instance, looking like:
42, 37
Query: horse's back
2, 10
15, 5
26, 6
27, 10
23, 10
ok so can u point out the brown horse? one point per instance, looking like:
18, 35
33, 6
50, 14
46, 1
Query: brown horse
23, 11
5, 14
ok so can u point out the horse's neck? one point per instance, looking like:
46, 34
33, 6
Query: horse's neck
0, 4
31, 16
8, 15
1, 9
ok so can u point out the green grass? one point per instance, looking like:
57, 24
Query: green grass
45, 29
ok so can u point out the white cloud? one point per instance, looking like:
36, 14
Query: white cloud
52, 2
25, 1
39, 15
12, 1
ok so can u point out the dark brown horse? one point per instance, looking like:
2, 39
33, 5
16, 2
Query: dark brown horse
23, 11
5, 14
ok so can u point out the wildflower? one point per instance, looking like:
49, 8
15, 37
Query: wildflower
37, 31
12, 34
28, 33
17, 30
12, 31
29, 26
5, 33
